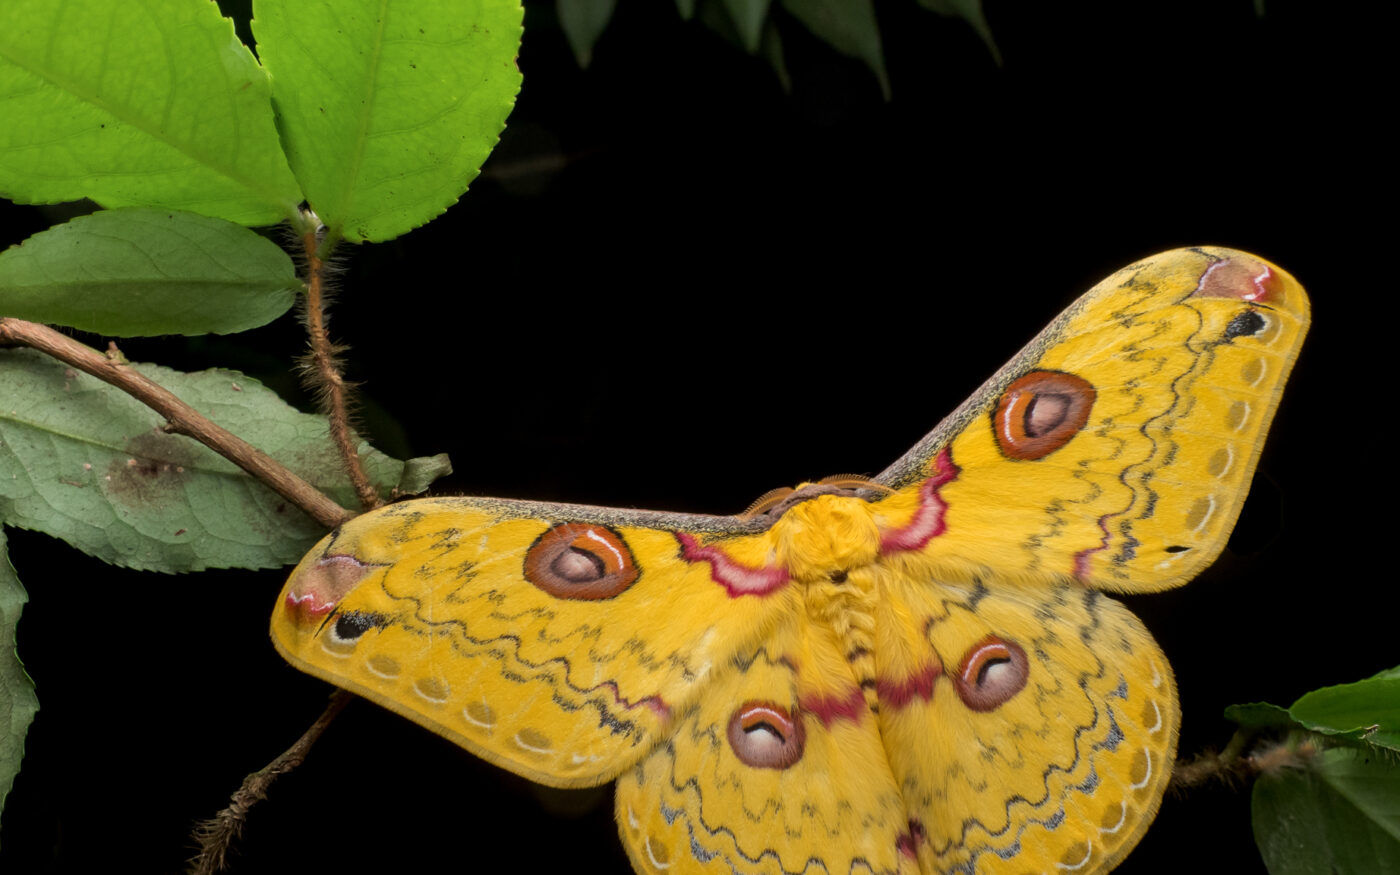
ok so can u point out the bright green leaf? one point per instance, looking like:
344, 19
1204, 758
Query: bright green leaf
419, 473
388, 109
971, 12
583, 21
140, 271
850, 28
154, 103
88, 463
1366, 711
748, 17
17, 700
1339, 815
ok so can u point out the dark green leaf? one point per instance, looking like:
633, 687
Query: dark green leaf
1260, 715
773, 53
420, 472
969, 11
1290, 837
88, 463
140, 271
1366, 711
849, 26
18, 703
1341, 814
748, 17
583, 21
154, 103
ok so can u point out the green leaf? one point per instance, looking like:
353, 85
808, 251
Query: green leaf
419, 473
971, 12
772, 51
1366, 711
154, 103
388, 109
686, 8
140, 271
1260, 715
849, 26
1341, 815
583, 21
17, 700
748, 17
88, 463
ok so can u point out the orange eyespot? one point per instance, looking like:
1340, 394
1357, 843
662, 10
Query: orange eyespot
765, 735
991, 673
581, 561
1040, 412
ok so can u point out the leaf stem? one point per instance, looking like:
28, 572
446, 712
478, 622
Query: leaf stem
180, 417
218, 833
325, 369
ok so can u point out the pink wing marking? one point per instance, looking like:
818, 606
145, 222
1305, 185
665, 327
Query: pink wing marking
829, 709
908, 842
736, 578
1081, 559
897, 694
655, 703
928, 522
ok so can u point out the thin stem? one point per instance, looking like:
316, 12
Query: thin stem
217, 834
1225, 766
180, 417
327, 374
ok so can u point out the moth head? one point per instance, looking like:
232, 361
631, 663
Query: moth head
828, 533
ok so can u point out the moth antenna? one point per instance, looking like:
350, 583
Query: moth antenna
765, 502
855, 481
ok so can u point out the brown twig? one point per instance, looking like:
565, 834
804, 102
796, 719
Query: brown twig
1233, 764
180, 417
217, 834
325, 371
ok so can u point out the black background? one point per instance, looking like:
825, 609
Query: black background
677, 286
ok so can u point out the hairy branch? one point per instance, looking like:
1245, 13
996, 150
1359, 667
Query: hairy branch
325, 374
217, 834
1237, 763
180, 417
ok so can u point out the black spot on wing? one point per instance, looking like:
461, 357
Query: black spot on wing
1244, 324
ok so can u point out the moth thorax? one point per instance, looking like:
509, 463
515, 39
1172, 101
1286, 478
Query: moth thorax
826, 537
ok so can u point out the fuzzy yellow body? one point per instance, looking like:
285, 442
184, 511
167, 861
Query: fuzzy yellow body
920, 675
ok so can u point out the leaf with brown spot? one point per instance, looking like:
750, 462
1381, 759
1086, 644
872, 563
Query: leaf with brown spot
87, 463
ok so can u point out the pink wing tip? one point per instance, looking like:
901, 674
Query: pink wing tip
1241, 277
315, 591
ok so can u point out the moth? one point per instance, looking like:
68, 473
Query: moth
916, 672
